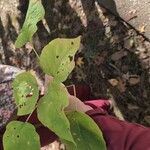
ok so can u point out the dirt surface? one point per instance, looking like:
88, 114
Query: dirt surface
135, 12
113, 59
115, 62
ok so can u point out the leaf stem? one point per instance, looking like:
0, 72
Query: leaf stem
36, 53
30, 114
74, 89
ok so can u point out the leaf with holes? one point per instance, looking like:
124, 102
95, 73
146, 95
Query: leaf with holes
25, 90
57, 58
50, 111
21, 136
86, 133
35, 13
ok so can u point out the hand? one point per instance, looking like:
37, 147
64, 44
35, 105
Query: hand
75, 104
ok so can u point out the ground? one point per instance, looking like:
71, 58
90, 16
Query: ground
134, 12
113, 59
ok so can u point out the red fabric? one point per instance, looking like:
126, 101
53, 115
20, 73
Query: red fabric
104, 105
82, 91
120, 135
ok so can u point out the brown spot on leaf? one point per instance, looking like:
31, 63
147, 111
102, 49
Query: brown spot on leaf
71, 58
29, 95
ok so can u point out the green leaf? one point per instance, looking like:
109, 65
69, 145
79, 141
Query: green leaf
86, 133
20, 136
50, 111
57, 58
35, 13
26, 93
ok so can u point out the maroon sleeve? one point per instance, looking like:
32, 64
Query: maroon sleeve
120, 135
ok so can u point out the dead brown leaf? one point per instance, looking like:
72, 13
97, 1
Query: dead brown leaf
134, 80
121, 85
118, 55
80, 61
113, 82
131, 107
142, 28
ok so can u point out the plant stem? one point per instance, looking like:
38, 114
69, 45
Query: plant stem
30, 114
74, 89
36, 53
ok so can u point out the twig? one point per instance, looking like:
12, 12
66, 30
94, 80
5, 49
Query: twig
36, 53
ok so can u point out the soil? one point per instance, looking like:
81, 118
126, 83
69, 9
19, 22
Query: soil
113, 59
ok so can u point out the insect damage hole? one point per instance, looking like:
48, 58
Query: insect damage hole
29, 95
70, 58
72, 43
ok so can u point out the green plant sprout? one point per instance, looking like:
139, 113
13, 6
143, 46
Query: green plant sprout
77, 130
